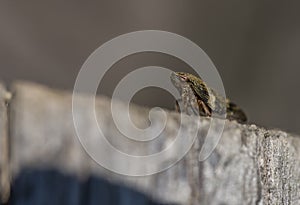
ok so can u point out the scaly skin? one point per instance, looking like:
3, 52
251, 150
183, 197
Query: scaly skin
198, 99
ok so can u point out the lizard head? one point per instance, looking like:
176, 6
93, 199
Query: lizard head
182, 76
187, 77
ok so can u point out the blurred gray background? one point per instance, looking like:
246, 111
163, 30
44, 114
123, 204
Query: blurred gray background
255, 46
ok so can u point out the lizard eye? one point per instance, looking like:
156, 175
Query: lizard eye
184, 78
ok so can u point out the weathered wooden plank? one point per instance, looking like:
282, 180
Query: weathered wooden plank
250, 165
4, 149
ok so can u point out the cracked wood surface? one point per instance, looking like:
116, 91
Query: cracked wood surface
250, 165
4, 149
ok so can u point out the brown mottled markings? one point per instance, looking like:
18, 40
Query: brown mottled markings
208, 101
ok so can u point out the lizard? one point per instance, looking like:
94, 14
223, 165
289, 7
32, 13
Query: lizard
199, 99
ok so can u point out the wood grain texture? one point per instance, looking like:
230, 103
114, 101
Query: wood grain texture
250, 165
4, 149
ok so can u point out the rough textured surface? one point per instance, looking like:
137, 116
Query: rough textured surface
4, 171
250, 165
